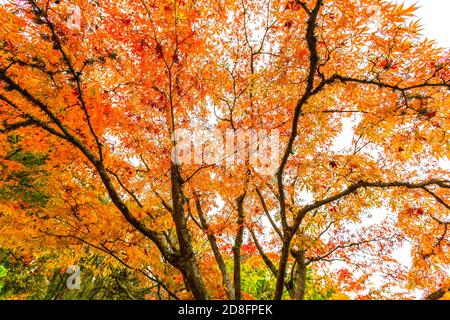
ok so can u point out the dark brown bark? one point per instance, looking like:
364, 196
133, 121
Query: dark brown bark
309, 91
436, 295
288, 284
267, 213
300, 274
265, 258
217, 255
190, 269
281, 275
183, 260
237, 248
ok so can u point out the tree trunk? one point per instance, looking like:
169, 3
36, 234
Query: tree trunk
217, 255
190, 269
281, 276
300, 274
237, 248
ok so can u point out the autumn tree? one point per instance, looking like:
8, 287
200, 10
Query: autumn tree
101, 87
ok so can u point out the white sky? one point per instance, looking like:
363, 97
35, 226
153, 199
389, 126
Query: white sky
434, 15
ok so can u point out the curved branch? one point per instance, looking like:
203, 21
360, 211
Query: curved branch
266, 211
364, 184
114, 255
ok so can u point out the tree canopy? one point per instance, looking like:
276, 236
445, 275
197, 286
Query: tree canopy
92, 94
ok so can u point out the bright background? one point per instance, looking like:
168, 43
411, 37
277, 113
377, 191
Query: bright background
434, 15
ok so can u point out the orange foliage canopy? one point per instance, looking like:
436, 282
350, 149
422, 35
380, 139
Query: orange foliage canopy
99, 87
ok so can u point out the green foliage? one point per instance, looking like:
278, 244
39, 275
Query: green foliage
257, 281
30, 281
20, 278
25, 185
315, 290
3, 272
